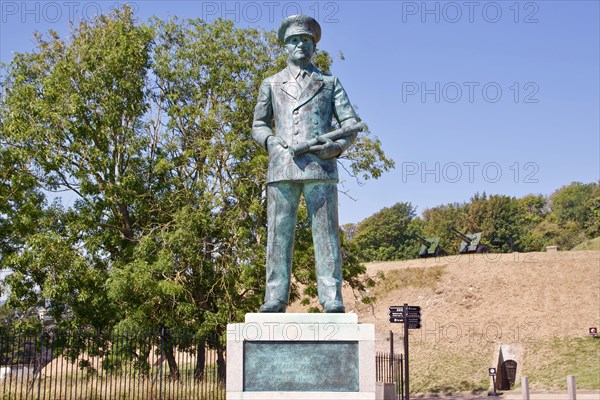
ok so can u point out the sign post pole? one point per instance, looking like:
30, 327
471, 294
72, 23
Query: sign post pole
405, 314
410, 316
392, 355
492, 373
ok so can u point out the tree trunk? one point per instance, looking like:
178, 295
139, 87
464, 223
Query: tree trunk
170, 356
221, 372
200, 361
144, 364
127, 225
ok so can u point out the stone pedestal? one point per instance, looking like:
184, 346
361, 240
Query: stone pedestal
301, 356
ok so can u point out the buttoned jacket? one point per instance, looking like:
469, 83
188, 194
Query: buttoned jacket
296, 115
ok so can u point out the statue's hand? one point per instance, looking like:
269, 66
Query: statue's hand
327, 150
275, 141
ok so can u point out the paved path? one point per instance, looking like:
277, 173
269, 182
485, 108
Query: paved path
516, 395
581, 395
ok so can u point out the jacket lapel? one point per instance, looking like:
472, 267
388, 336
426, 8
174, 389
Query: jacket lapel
289, 85
314, 84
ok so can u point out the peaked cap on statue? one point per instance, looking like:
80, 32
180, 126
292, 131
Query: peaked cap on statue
299, 25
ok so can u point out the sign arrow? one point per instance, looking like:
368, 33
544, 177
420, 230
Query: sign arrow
401, 308
401, 320
399, 314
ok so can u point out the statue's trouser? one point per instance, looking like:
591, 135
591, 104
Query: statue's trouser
282, 209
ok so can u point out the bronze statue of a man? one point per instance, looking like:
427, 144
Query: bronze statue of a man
295, 106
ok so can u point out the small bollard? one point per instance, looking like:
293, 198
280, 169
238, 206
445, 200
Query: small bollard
571, 387
525, 387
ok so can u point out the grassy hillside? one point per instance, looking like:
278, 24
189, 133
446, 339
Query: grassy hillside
539, 303
592, 244
551, 360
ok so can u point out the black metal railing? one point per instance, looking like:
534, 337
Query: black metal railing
390, 369
117, 365
95, 365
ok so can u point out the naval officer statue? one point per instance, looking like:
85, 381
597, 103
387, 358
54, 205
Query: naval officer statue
295, 108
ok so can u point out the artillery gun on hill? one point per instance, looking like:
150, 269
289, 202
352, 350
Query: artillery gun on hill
430, 247
471, 242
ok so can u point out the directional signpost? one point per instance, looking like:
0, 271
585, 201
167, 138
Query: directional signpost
410, 316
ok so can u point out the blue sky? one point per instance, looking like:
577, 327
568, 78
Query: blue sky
466, 96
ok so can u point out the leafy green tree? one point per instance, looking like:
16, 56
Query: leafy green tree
437, 223
387, 234
498, 217
349, 230
148, 128
574, 217
576, 210
73, 115
593, 222
533, 212
75, 111
572, 203
21, 202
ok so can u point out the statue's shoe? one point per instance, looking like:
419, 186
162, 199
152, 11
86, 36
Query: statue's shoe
273, 307
334, 307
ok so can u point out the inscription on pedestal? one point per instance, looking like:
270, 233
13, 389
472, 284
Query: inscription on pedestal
307, 366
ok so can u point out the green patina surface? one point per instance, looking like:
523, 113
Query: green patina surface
301, 366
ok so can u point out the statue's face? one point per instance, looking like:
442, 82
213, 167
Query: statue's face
300, 48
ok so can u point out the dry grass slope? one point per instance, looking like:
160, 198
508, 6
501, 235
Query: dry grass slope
543, 303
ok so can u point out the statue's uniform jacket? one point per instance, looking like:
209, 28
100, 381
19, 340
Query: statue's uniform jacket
298, 116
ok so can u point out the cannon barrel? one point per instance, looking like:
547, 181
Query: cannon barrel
461, 235
423, 241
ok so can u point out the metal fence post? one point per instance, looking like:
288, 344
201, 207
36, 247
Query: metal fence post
401, 377
525, 387
162, 354
571, 387
37, 364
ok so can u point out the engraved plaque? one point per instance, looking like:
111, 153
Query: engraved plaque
301, 366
